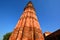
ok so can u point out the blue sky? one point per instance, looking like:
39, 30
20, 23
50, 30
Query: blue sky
47, 11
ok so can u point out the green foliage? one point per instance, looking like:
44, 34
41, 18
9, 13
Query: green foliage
6, 36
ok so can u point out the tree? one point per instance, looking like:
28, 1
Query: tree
6, 36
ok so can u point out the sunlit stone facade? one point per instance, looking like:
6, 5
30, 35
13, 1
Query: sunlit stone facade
28, 27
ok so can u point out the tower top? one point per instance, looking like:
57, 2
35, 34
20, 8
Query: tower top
29, 5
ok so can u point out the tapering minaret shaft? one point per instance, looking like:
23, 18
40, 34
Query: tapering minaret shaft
27, 27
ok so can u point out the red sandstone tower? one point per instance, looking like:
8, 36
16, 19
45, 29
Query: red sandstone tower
27, 27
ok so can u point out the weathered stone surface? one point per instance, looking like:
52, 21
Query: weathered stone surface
27, 27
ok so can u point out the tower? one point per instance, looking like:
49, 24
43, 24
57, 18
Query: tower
27, 27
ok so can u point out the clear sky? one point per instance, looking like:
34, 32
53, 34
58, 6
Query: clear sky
47, 11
